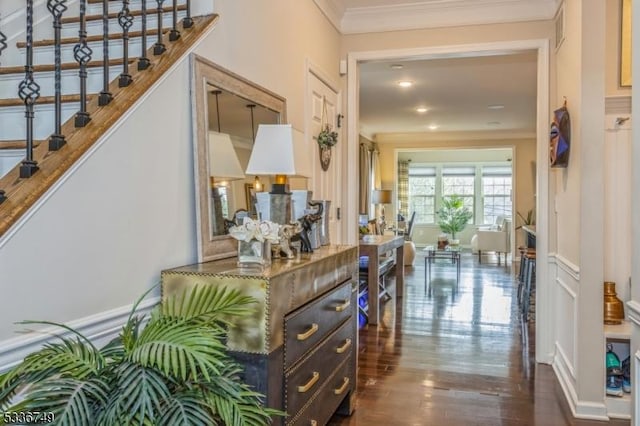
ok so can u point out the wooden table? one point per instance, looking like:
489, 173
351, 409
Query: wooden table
372, 247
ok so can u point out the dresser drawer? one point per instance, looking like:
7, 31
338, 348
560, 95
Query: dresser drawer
324, 403
304, 380
310, 324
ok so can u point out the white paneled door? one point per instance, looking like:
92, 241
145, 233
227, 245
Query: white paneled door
323, 109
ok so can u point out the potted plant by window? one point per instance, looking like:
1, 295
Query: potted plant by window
453, 217
528, 220
170, 368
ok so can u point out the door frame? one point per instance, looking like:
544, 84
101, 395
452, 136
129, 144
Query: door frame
544, 298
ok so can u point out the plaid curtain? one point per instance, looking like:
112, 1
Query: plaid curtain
365, 179
403, 188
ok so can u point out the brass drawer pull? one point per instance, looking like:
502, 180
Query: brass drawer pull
343, 348
344, 306
310, 383
308, 333
342, 388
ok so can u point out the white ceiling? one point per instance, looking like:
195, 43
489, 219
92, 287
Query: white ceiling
456, 91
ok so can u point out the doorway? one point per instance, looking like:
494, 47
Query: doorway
544, 304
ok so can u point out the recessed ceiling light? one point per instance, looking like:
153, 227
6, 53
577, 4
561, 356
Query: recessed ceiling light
433, 127
496, 106
396, 66
493, 123
421, 109
405, 83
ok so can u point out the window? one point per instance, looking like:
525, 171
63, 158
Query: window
485, 189
422, 193
224, 199
460, 181
496, 191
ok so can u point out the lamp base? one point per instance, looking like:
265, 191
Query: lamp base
280, 208
280, 188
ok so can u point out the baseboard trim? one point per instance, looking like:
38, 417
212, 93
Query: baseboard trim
579, 409
99, 328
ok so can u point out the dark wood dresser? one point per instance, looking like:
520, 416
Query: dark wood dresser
299, 348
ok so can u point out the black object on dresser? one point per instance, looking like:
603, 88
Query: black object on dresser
299, 348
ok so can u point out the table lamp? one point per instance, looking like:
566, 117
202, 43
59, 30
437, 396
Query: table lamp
224, 166
279, 150
381, 197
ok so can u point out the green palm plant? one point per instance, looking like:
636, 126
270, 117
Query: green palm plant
453, 216
168, 368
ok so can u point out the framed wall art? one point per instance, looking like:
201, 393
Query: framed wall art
250, 194
625, 43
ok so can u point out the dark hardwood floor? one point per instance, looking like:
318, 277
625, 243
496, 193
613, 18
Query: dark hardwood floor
455, 358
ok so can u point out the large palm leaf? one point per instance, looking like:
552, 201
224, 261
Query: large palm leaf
170, 369
73, 401
187, 407
207, 303
178, 349
137, 395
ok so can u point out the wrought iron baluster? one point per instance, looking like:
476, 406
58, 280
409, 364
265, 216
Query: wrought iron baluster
57, 8
159, 48
143, 62
29, 92
3, 42
2, 196
174, 34
82, 54
187, 22
125, 19
105, 95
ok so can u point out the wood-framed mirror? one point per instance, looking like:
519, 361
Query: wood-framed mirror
225, 104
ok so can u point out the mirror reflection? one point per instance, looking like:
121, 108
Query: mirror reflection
225, 127
233, 122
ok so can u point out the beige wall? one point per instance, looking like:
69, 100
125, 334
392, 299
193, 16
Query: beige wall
524, 172
268, 42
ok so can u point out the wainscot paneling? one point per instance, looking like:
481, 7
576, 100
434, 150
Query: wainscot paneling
99, 328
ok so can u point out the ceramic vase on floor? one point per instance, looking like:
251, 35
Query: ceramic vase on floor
613, 307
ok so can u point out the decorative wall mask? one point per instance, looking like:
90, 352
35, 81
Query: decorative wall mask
560, 137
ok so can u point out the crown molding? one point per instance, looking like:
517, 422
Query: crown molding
334, 10
439, 13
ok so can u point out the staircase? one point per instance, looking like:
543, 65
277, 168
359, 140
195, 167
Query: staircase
68, 121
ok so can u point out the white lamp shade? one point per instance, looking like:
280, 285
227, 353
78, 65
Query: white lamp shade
223, 160
279, 149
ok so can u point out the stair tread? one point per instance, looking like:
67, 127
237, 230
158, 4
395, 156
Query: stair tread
19, 69
114, 15
93, 38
